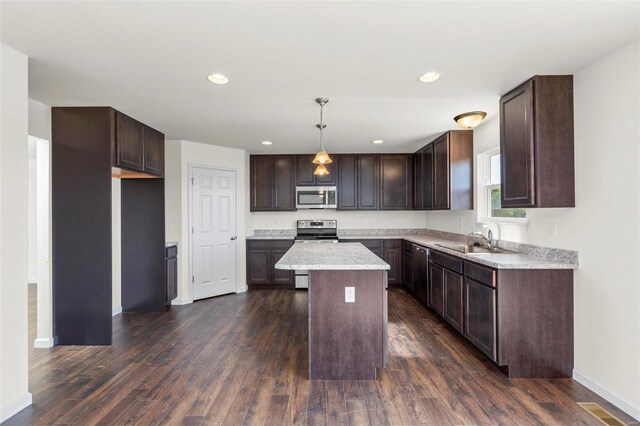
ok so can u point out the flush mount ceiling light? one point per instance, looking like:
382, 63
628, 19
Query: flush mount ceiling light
218, 78
429, 77
377, 141
321, 157
470, 119
266, 143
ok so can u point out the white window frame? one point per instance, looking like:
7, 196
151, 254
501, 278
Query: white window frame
484, 192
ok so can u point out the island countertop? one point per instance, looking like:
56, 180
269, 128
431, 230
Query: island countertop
328, 257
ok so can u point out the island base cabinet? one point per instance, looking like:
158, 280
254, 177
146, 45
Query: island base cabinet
480, 316
347, 341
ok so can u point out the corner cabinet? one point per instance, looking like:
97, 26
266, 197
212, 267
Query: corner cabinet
137, 147
272, 183
536, 143
389, 250
443, 173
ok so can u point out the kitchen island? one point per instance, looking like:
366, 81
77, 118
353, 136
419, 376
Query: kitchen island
347, 308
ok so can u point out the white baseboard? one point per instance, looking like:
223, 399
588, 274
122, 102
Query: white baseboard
43, 342
15, 406
242, 289
116, 310
180, 302
616, 400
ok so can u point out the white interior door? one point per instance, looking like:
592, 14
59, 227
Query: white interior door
213, 232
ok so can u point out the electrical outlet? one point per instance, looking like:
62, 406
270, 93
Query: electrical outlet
350, 295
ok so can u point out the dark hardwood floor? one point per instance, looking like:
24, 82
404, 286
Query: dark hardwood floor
242, 359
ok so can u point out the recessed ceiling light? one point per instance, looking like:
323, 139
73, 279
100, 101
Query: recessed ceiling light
267, 143
378, 141
429, 77
218, 78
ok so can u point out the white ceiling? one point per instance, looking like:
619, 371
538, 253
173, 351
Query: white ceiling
150, 60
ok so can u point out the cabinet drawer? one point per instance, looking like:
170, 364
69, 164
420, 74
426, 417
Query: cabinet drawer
482, 274
447, 261
392, 243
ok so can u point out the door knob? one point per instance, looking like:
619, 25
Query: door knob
235, 237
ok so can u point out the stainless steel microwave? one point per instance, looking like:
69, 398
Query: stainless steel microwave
316, 197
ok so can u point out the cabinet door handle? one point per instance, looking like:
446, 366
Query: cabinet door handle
235, 237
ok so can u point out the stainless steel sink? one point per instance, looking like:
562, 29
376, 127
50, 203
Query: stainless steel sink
471, 249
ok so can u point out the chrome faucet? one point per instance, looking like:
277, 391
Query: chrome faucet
488, 239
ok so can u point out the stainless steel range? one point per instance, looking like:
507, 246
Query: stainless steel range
314, 231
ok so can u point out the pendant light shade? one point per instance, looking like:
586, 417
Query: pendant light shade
471, 119
321, 170
321, 157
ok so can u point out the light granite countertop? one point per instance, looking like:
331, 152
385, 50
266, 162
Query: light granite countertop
328, 256
534, 258
513, 260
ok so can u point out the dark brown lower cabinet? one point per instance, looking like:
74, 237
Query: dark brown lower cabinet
171, 274
392, 254
262, 255
390, 251
453, 300
522, 319
407, 266
420, 273
480, 316
436, 288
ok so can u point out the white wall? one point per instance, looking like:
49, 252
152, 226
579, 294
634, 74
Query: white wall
14, 382
178, 156
604, 227
32, 243
346, 219
44, 328
116, 247
39, 120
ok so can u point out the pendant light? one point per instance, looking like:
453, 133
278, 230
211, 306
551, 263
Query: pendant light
470, 119
321, 157
321, 170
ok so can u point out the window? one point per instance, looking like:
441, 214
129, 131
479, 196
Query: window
489, 206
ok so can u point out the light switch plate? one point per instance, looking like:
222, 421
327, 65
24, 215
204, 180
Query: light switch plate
350, 295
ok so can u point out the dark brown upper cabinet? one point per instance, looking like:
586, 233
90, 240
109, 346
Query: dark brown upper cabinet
368, 182
347, 181
272, 183
423, 178
129, 143
153, 151
305, 176
137, 148
396, 181
536, 143
443, 173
